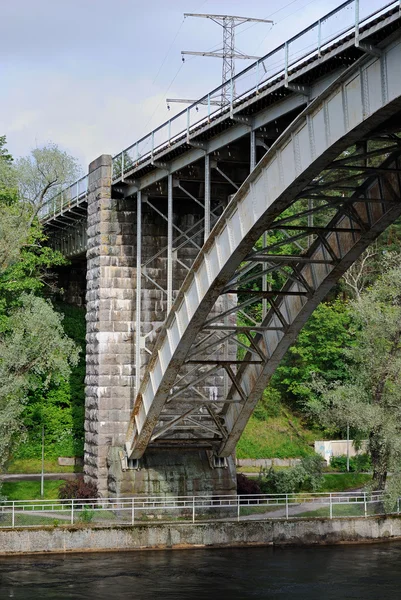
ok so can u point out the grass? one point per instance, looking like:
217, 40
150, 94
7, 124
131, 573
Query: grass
30, 490
284, 436
339, 510
34, 465
342, 482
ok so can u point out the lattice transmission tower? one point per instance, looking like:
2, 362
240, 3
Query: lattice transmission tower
228, 53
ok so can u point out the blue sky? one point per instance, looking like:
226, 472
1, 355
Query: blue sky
93, 75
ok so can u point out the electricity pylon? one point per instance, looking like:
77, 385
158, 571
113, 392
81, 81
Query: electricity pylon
228, 53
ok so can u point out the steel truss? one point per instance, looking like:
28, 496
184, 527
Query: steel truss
293, 228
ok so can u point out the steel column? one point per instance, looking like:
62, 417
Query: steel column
138, 291
207, 196
253, 151
169, 242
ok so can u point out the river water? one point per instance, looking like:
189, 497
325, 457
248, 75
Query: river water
371, 572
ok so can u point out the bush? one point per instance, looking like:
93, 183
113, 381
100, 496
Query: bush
358, 463
307, 476
86, 515
78, 489
269, 405
246, 485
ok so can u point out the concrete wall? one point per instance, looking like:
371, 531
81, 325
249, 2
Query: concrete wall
330, 448
175, 536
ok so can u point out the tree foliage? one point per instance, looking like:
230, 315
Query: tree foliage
34, 349
44, 173
370, 401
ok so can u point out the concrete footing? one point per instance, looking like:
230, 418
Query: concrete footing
203, 535
170, 473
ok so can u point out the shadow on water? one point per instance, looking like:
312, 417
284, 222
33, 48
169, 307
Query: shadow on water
361, 572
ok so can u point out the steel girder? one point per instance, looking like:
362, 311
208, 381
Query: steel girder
305, 174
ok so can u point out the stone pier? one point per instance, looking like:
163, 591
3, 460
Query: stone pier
111, 319
110, 300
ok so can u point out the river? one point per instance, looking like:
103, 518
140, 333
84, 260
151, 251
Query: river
369, 572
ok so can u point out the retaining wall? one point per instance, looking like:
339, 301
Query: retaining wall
209, 534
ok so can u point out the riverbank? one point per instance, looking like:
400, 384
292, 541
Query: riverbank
158, 536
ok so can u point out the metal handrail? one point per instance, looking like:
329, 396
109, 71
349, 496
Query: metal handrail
127, 509
66, 198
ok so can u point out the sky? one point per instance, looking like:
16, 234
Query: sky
92, 75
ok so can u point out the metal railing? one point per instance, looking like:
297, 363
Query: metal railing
346, 21
193, 509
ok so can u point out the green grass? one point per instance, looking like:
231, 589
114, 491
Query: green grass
276, 438
30, 490
339, 510
344, 481
34, 465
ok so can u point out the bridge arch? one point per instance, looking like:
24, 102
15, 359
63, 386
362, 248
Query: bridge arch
339, 161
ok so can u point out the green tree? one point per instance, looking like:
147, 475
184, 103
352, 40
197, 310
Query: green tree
34, 350
370, 401
46, 171
319, 349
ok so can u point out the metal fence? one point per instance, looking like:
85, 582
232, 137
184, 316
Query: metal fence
193, 509
344, 22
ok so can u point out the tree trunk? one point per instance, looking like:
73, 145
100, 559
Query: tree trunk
380, 456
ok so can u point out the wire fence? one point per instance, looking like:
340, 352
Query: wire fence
192, 509
346, 22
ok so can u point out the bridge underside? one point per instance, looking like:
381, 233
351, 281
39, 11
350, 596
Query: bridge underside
200, 276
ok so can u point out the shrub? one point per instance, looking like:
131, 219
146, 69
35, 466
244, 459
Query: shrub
358, 463
269, 405
307, 476
77, 489
246, 485
86, 515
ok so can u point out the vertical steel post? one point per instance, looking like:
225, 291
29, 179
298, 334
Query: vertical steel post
286, 64
356, 23
13, 516
231, 97
310, 220
169, 243
137, 152
257, 77
331, 507
193, 509
72, 512
169, 132
77, 190
188, 122
207, 197
138, 291
264, 281
319, 38
253, 151
238, 507
365, 504
286, 506
122, 166
133, 512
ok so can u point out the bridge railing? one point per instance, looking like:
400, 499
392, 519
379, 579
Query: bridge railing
346, 21
128, 511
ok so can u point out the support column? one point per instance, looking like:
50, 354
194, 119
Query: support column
110, 312
207, 196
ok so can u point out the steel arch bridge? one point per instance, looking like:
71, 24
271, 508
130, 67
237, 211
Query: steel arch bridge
340, 157
237, 284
